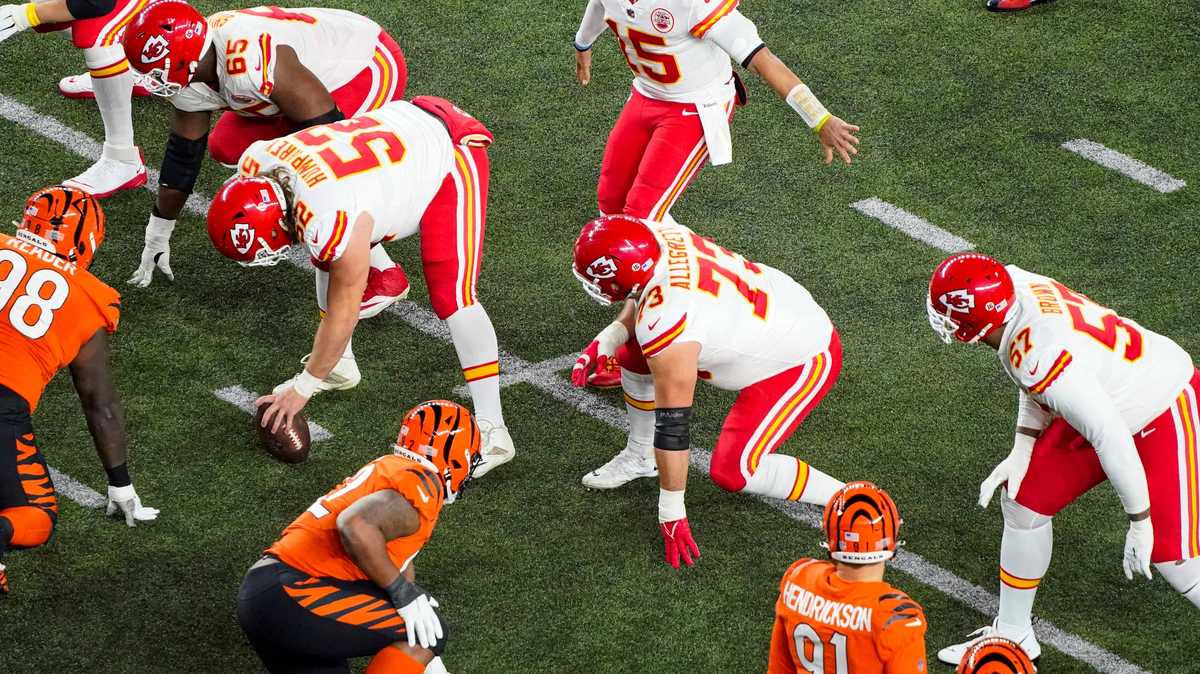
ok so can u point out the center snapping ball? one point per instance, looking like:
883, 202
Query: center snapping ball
290, 444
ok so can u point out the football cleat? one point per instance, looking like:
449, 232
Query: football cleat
608, 375
385, 287
4, 586
953, 655
79, 87
344, 376
119, 169
1012, 5
628, 465
497, 447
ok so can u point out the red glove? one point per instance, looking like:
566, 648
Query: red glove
589, 362
678, 541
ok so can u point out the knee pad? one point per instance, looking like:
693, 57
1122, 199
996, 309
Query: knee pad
31, 526
1018, 516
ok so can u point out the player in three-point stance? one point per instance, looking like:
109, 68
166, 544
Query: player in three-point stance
274, 71
699, 311
96, 27
1100, 398
340, 583
841, 616
996, 655
342, 190
54, 314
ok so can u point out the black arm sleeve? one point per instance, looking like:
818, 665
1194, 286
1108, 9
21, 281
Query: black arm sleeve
90, 9
330, 117
181, 162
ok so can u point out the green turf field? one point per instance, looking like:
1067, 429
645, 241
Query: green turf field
962, 115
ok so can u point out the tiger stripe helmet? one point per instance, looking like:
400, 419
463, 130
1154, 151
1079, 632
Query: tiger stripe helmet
446, 435
995, 655
64, 221
861, 524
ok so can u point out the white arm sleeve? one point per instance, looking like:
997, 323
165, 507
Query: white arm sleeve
1030, 414
1078, 398
736, 35
591, 26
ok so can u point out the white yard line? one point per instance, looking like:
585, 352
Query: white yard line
1127, 166
76, 491
244, 400
912, 225
543, 377
512, 373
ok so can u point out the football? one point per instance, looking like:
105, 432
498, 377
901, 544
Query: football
290, 444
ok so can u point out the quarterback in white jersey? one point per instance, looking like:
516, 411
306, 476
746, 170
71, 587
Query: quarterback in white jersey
1101, 398
273, 71
342, 190
698, 311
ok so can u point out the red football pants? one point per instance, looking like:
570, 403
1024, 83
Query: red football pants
654, 151
101, 31
452, 230
1064, 467
383, 80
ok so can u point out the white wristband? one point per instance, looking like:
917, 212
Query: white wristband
670, 506
613, 336
305, 384
158, 230
806, 105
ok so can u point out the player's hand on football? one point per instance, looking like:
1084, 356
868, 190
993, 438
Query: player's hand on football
583, 66
282, 408
678, 543
592, 359
838, 136
12, 20
156, 254
422, 624
125, 501
1139, 542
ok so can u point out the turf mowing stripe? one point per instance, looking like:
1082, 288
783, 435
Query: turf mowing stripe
1125, 165
912, 225
75, 490
542, 377
244, 400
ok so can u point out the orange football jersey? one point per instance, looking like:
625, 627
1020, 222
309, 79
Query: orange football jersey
827, 625
312, 544
48, 310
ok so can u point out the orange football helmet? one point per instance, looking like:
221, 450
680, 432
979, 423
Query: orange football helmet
861, 524
995, 655
64, 221
445, 435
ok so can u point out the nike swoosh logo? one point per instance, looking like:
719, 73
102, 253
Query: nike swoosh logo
651, 326
1147, 432
671, 531
687, 113
424, 497
1034, 371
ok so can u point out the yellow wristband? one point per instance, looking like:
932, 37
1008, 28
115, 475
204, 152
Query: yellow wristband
31, 15
817, 128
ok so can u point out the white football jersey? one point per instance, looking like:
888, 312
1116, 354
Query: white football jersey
334, 44
752, 321
679, 50
388, 163
1057, 330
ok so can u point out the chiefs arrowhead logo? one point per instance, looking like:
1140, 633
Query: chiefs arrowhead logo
155, 50
242, 236
601, 268
958, 300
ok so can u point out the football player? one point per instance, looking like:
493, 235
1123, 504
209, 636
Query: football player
995, 655
95, 27
340, 583
342, 190
54, 314
1100, 398
700, 311
841, 616
274, 71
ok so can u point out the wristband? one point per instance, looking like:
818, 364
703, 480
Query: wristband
403, 592
806, 105
614, 335
158, 230
118, 476
31, 17
671, 428
305, 384
670, 506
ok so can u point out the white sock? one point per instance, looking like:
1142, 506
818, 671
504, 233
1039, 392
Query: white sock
639, 406
1184, 577
786, 477
380, 259
475, 341
1025, 553
114, 97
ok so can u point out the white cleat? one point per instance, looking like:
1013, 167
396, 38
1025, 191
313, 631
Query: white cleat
952, 655
628, 465
497, 448
344, 376
119, 169
79, 87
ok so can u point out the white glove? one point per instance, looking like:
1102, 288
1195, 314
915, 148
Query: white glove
156, 253
13, 20
1139, 542
126, 500
415, 606
1011, 470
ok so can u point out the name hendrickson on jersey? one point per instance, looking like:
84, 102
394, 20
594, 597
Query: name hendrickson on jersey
832, 613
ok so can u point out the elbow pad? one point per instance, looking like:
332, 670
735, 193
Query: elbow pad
330, 117
90, 9
181, 162
671, 428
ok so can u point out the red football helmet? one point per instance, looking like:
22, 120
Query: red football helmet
247, 221
970, 295
446, 436
995, 655
861, 524
64, 221
165, 43
615, 257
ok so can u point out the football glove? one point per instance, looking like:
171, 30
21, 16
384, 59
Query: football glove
1011, 470
125, 500
1139, 542
13, 20
156, 253
678, 543
593, 358
415, 606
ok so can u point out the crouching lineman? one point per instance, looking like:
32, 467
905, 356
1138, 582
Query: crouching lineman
843, 612
274, 71
1100, 398
344, 189
700, 311
340, 583
996, 655
55, 315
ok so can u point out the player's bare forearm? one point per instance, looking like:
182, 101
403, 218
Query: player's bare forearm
674, 373
54, 11
299, 93
628, 315
98, 396
366, 527
347, 281
774, 72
